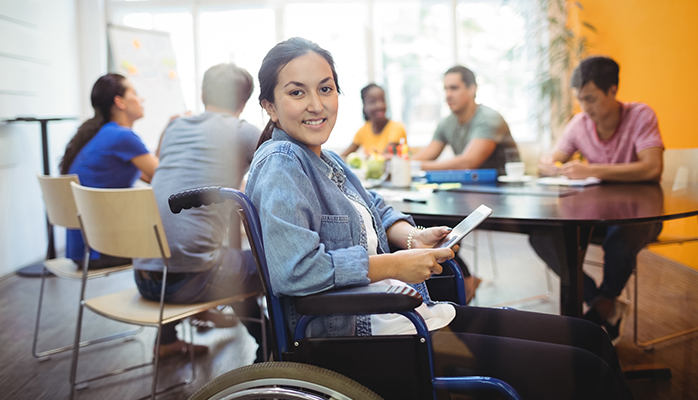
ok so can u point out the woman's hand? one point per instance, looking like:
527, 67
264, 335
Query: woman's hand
428, 238
421, 239
417, 265
411, 266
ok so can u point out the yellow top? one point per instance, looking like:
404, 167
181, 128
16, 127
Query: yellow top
378, 142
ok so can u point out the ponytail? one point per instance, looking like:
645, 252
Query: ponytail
266, 133
86, 132
102, 98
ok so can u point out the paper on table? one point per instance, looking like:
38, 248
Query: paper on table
565, 181
399, 195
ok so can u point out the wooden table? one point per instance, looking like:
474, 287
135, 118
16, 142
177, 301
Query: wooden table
576, 211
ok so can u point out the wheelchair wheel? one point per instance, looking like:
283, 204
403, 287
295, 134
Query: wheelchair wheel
283, 380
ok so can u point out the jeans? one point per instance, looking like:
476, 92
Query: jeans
621, 244
237, 274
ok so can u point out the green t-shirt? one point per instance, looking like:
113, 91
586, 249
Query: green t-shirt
485, 124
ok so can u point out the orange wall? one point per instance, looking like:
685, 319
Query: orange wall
656, 45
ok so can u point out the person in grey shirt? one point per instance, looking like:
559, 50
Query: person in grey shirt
214, 148
478, 135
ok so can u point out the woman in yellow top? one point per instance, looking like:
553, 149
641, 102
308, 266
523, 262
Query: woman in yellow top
379, 134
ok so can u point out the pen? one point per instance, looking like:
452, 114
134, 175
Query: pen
406, 200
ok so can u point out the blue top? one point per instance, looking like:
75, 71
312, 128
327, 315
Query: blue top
314, 238
104, 162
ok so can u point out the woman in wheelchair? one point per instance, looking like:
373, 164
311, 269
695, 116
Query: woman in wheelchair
322, 230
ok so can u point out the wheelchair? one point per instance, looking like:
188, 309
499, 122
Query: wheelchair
375, 367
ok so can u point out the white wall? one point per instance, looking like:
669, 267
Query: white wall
40, 75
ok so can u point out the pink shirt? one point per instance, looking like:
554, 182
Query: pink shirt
638, 130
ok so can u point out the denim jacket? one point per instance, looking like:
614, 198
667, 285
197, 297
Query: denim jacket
314, 238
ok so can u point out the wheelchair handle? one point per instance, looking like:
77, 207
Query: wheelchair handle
194, 198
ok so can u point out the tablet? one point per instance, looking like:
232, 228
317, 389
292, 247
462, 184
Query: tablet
465, 226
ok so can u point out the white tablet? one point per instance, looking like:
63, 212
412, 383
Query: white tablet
470, 222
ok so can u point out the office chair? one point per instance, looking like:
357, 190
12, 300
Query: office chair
61, 211
401, 368
126, 223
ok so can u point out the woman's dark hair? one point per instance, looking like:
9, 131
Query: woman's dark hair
275, 60
364, 92
103, 92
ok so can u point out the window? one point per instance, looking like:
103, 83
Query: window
404, 46
494, 40
242, 36
414, 46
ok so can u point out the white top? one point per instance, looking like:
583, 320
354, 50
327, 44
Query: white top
436, 316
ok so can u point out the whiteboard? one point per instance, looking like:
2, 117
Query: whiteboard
147, 59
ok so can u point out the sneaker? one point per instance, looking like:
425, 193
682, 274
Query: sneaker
615, 324
214, 318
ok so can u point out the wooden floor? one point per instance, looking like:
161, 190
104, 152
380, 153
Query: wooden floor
669, 301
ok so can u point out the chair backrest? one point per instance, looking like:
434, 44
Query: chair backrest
250, 220
681, 166
58, 197
121, 222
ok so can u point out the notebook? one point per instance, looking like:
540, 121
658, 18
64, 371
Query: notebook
565, 181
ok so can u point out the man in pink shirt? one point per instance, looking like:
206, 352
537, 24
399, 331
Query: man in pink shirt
619, 142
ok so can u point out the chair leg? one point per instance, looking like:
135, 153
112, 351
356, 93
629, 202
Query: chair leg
46, 354
493, 261
156, 361
191, 354
649, 345
156, 366
78, 326
78, 331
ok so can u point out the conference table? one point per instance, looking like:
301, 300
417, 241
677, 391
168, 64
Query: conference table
524, 208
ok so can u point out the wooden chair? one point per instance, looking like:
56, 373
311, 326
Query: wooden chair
61, 211
126, 223
680, 169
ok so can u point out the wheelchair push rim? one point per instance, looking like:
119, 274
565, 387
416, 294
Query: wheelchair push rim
283, 380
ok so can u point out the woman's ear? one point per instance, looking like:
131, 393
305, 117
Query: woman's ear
119, 102
270, 109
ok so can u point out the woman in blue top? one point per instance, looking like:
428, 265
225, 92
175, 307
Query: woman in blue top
322, 230
106, 153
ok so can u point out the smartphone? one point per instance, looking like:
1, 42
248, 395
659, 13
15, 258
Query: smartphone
465, 226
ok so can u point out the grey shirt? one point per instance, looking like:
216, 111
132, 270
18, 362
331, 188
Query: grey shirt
485, 124
211, 149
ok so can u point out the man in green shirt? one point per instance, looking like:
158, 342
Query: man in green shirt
478, 135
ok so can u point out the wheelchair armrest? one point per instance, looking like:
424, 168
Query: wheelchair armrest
375, 299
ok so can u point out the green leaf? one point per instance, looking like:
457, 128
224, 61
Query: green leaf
590, 26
